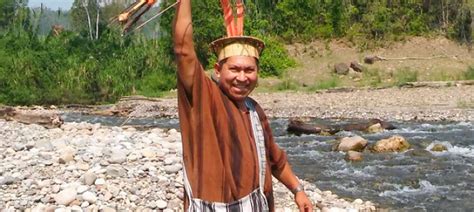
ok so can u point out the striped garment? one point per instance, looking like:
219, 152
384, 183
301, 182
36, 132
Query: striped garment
256, 200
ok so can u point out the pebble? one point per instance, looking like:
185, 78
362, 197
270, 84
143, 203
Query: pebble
99, 181
90, 197
161, 204
65, 196
89, 178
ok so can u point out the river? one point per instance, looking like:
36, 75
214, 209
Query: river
415, 180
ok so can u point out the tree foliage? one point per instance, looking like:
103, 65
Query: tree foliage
69, 67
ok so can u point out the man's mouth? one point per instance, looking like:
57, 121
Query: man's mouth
241, 88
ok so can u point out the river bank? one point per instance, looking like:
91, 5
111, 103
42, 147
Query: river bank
453, 103
90, 167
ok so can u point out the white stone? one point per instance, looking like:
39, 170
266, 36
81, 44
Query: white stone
65, 196
173, 169
76, 208
161, 204
90, 197
118, 156
108, 209
168, 161
82, 188
149, 153
62, 210
99, 181
89, 178
358, 201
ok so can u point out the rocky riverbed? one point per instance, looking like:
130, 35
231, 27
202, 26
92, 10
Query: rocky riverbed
455, 103
89, 167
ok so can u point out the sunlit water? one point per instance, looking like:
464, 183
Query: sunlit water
416, 180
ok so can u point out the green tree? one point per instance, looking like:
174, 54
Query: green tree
83, 16
7, 12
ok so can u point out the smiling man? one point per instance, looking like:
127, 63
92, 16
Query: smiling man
229, 152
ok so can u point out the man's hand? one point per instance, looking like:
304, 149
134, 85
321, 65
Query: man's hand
303, 202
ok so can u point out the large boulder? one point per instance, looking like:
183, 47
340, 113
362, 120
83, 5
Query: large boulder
356, 66
393, 144
341, 68
439, 148
353, 156
375, 128
355, 143
298, 127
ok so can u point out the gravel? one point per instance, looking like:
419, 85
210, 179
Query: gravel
106, 170
455, 103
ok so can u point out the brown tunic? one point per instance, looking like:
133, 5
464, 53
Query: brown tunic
218, 147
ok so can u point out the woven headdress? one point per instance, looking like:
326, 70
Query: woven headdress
236, 44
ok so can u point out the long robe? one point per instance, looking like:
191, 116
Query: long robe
219, 150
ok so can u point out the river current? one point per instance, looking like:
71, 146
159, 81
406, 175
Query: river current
416, 180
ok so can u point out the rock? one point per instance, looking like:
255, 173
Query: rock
355, 143
168, 161
99, 181
353, 156
108, 209
82, 188
356, 66
375, 128
90, 197
149, 153
341, 68
115, 170
419, 153
358, 202
8, 180
76, 208
65, 196
66, 157
83, 166
439, 148
371, 59
161, 204
173, 169
118, 156
89, 178
393, 144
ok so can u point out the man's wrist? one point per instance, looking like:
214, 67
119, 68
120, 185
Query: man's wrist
297, 189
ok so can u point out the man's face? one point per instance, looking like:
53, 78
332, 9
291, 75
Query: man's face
238, 76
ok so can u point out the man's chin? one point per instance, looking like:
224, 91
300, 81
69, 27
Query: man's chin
238, 97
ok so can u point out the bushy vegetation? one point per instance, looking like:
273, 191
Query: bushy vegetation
332, 82
88, 62
72, 69
469, 74
367, 20
405, 75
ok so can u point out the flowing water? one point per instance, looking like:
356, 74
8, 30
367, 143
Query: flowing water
415, 180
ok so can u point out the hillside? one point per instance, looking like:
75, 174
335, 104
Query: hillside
416, 58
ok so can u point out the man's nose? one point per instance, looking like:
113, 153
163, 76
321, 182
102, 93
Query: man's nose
241, 76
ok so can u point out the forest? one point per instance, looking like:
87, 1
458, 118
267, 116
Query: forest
51, 56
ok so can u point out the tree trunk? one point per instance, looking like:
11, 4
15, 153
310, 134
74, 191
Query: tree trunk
88, 18
97, 21
426, 5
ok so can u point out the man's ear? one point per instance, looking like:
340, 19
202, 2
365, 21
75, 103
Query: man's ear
217, 70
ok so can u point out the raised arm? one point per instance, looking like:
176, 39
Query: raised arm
183, 44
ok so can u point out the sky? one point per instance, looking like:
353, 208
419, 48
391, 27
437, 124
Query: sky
52, 4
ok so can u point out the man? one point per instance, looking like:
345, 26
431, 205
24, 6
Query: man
222, 128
